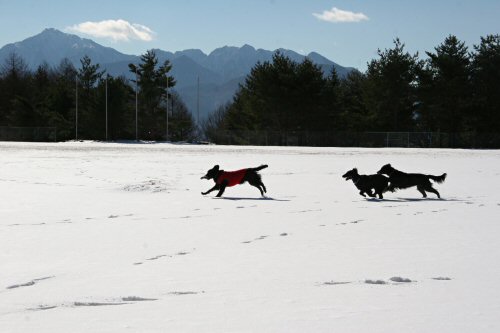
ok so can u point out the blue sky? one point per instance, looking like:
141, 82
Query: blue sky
347, 32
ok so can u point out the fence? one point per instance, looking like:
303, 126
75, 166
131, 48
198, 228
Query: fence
305, 138
42, 134
358, 139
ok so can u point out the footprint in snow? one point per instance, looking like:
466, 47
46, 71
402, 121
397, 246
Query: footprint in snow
29, 283
137, 299
78, 304
375, 282
182, 293
43, 307
335, 283
400, 279
157, 257
441, 278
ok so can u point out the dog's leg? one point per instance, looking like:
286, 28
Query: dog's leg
422, 190
362, 193
222, 188
371, 193
258, 186
216, 187
263, 187
257, 183
432, 190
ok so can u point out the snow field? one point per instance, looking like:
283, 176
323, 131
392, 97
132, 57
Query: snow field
117, 237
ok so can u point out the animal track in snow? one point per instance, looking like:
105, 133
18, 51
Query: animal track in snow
335, 283
283, 234
113, 216
400, 279
306, 211
158, 257
77, 304
137, 299
181, 253
395, 280
182, 293
351, 222
118, 301
151, 185
29, 283
375, 282
43, 307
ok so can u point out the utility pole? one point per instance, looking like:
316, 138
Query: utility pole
166, 139
198, 101
107, 107
76, 108
136, 104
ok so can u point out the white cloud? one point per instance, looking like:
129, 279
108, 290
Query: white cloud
117, 30
336, 15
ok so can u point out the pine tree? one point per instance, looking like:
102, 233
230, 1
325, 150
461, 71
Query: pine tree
486, 83
153, 82
445, 87
90, 119
392, 81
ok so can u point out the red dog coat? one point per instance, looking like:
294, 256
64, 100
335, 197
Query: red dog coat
232, 177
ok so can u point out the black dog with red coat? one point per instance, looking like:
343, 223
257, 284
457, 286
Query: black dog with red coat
225, 179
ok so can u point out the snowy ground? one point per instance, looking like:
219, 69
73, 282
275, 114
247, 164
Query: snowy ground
117, 238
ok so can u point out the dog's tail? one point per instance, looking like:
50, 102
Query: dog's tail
438, 179
263, 166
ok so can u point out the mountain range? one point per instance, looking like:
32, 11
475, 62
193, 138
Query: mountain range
219, 73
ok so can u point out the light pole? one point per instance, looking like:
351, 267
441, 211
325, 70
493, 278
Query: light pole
136, 93
167, 111
76, 108
198, 101
107, 75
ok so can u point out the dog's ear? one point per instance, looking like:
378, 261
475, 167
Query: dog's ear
389, 165
355, 169
216, 167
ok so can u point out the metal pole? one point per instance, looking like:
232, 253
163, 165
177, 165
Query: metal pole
76, 109
136, 92
106, 107
167, 111
198, 101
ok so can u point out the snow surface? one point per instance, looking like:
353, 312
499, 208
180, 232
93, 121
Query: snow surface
98, 237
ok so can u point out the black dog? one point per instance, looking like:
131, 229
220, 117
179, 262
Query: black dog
225, 179
401, 180
365, 183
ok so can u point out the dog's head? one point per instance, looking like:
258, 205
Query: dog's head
351, 174
212, 173
385, 170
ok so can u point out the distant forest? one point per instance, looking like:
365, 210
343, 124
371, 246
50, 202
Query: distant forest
454, 92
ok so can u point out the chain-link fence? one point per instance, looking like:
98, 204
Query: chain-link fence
37, 134
357, 139
305, 138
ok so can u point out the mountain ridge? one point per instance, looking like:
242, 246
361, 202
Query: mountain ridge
222, 70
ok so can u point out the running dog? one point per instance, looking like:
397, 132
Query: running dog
402, 180
225, 179
365, 183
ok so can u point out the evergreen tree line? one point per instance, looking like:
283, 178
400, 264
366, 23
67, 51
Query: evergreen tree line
455, 91
47, 97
